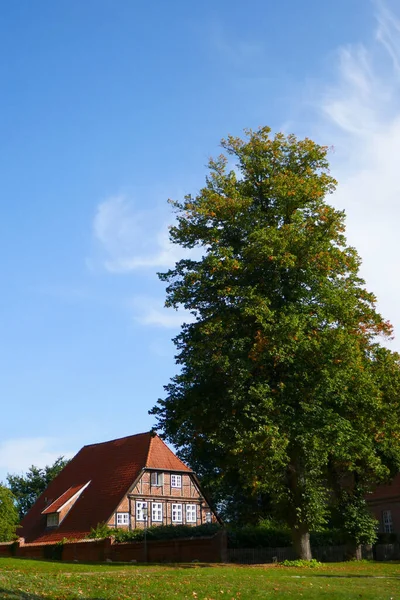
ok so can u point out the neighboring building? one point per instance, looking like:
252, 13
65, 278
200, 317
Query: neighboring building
130, 482
384, 503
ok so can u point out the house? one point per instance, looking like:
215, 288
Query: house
384, 503
130, 482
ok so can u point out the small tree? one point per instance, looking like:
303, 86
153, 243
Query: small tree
8, 515
282, 374
27, 488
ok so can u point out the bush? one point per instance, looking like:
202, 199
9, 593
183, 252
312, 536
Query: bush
328, 537
309, 564
268, 534
160, 532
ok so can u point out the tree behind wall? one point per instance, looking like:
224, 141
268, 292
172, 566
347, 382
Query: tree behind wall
27, 488
8, 515
282, 374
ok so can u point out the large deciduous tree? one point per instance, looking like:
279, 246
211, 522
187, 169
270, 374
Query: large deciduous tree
283, 375
27, 488
8, 515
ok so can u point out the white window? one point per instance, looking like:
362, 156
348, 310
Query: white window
141, 511
177, 513
156, 479
208, 517
176, 481
387, 521
190, 513
52, 520
156, 512
122, 518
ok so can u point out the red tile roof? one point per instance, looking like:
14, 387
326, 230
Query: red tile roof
112, 468
63, 499
161, 457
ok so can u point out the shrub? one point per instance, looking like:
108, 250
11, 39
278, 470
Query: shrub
309, 564
328, 537
160, 532
268, 534
102, 530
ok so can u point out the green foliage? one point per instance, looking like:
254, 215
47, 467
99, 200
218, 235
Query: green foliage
328, 537
102, 530
27, 488
283, 380
308, 564
266, 534
272, 534
8, 515
357, 522
160, 532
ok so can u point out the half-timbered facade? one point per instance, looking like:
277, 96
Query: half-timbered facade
162, 498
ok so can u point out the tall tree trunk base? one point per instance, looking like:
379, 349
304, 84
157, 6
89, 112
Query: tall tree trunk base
301, 544
354, 552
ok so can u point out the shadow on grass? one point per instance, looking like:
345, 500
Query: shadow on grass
6, 594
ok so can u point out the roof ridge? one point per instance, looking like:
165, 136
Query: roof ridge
125, 437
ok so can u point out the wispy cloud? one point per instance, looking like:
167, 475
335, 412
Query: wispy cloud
361, 117
17, 455
150, 311
131, 238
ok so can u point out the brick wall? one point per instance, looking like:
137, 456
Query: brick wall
394, 506
210, 549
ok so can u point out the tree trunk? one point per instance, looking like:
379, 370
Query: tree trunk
301, 543
354, 551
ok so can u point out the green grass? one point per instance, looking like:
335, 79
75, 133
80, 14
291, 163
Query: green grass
39, 580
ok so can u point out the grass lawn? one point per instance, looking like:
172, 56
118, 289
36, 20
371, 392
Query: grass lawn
39, 580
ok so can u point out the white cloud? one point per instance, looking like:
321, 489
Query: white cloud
361, 117
131, 238
150, 311
17, 455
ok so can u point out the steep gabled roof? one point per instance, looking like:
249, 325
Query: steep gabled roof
112, 468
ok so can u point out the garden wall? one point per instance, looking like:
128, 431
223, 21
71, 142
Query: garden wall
203, 549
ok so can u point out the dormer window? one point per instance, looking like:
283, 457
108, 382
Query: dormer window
57, 510
52, 520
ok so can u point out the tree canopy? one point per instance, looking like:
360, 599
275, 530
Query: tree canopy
283, 375
27, 488
8, 515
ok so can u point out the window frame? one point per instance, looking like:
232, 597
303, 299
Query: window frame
140, 505
154, 510
158, 477
387, 521
125, 519
191, 511
178, 512
53, 516
176, 481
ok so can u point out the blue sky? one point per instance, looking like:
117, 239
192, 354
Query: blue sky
108, 108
